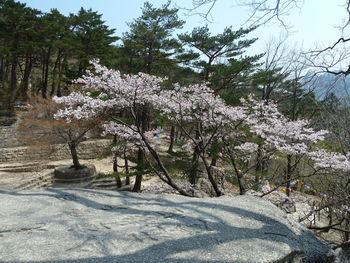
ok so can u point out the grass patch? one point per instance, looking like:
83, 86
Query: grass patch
112, 175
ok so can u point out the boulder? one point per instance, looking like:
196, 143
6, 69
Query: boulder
85, 226
288, 205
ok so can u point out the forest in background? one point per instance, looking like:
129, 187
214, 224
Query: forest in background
41, 53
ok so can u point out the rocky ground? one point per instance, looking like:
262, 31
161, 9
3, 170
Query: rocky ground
34, 175
84, 226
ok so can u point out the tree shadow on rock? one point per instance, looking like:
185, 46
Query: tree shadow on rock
186, 229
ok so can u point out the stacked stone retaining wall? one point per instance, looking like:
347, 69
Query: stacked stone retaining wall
8, 136
11, 136
86, 150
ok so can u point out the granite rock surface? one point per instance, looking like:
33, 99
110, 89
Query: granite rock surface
85, 226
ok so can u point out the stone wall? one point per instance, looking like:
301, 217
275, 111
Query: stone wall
86, 150
8, 136
6, 110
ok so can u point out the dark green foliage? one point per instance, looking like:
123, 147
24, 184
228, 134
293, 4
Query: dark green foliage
296, 102
220, 58
40, 53
92, 38
149, 45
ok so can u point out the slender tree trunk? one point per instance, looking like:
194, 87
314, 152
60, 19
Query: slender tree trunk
54, 74
207, 71
115, 170
74, 154
261, 165
126, 164
61, 64
5, 92
166, 177
193, 176
239, 175
45, 74
26, 77
144, 120
288, 174
330, 222
13, 88
172, 139
211, 178
138, 179
115, 166
242, 189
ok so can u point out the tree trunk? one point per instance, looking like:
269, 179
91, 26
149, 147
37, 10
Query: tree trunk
61, 65
172, 139
13, 88
193, 176
261, 165
5, 96
26, 76
239, 175
138, 179
289, 173
137, 184
242, 190
74, 154
115, 166
211, 178
45, 74
167, 178
54, 74
144, 121
115, 170
126, 163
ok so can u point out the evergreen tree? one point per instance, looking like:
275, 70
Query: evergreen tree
17, 29
92, 38
42, 52
220, 57
149, 46
222, 64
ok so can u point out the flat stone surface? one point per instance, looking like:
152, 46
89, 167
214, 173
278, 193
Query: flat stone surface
85, 226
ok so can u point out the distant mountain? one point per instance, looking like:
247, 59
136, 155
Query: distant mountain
324, 84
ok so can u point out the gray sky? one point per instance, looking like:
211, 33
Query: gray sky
315, 24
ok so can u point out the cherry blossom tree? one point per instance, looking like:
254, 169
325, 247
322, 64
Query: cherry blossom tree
295, 140
197, 106
204, 118
39, 128
105, 91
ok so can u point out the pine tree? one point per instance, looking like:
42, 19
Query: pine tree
92, 38
150, 46
220, 57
